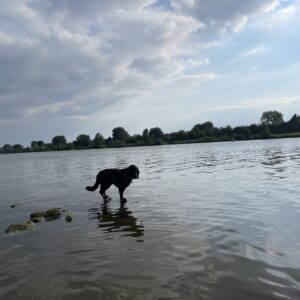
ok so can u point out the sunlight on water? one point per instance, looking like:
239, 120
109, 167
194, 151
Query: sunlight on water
204, 221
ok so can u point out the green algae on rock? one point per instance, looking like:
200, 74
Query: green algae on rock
38, 219
52, 213
69, 217
18, 227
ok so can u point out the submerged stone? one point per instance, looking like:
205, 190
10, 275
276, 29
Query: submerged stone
69, 217
38, 219
39, 214
52, 213
15, 205
17, 227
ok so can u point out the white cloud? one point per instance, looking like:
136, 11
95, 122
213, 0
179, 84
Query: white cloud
71, 59
226, 14
93, 9
70, 65
277, 18
195, 63
254, 51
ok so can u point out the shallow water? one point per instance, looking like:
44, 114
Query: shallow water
204, 221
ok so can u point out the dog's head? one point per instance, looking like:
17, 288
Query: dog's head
133, 171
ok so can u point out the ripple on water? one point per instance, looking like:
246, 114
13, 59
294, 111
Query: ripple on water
205, 221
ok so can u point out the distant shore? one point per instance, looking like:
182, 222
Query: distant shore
121, 145
271, 126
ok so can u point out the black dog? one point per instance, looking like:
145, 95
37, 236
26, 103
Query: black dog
121, 178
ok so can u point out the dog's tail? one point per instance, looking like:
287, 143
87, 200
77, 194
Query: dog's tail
92, 188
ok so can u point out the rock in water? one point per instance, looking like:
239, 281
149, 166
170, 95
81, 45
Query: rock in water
38, 219
17, 227
69, 217
52, 213
39, 214
15, 205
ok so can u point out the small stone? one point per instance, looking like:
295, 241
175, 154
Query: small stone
39, 214
17, 227
15, 205
69, 217
38, 219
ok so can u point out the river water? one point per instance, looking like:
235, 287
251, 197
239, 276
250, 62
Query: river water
204, 221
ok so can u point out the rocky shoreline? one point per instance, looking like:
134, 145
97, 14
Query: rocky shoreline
39, 217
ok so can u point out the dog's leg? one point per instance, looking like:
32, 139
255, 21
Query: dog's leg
102, 193
103, 188
122, 199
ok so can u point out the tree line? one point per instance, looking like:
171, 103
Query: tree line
271, 125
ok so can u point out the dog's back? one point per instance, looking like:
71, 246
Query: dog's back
110, 176
106, 177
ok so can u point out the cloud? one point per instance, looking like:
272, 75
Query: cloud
278, 17
224, 15
195, 63
71, 66
80, 9
254, 51
68, 60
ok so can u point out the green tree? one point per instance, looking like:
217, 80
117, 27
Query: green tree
228, 130
255, 129
119, 133
83, 141
271, 118
18, 148
34, 145
265, 133
225, 132
7, 148
40, 144
207, 128
59, 141
156, 133
136, 139
202, 130
99, 140
177, 136
195, 132
145, 133
48, 146
242, 132
293, 124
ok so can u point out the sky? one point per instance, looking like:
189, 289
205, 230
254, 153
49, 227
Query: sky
70, 67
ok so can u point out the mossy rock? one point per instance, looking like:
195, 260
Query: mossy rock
52, 213
39, 214
69, 217
38, 219
18, 227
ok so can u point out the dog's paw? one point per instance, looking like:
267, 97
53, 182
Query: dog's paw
107, 199
123, 200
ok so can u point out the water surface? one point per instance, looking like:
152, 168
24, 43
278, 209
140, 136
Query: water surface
204, 221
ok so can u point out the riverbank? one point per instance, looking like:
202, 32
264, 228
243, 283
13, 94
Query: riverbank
122, 144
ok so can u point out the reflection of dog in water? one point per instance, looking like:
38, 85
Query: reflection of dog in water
121, 178
120, 220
